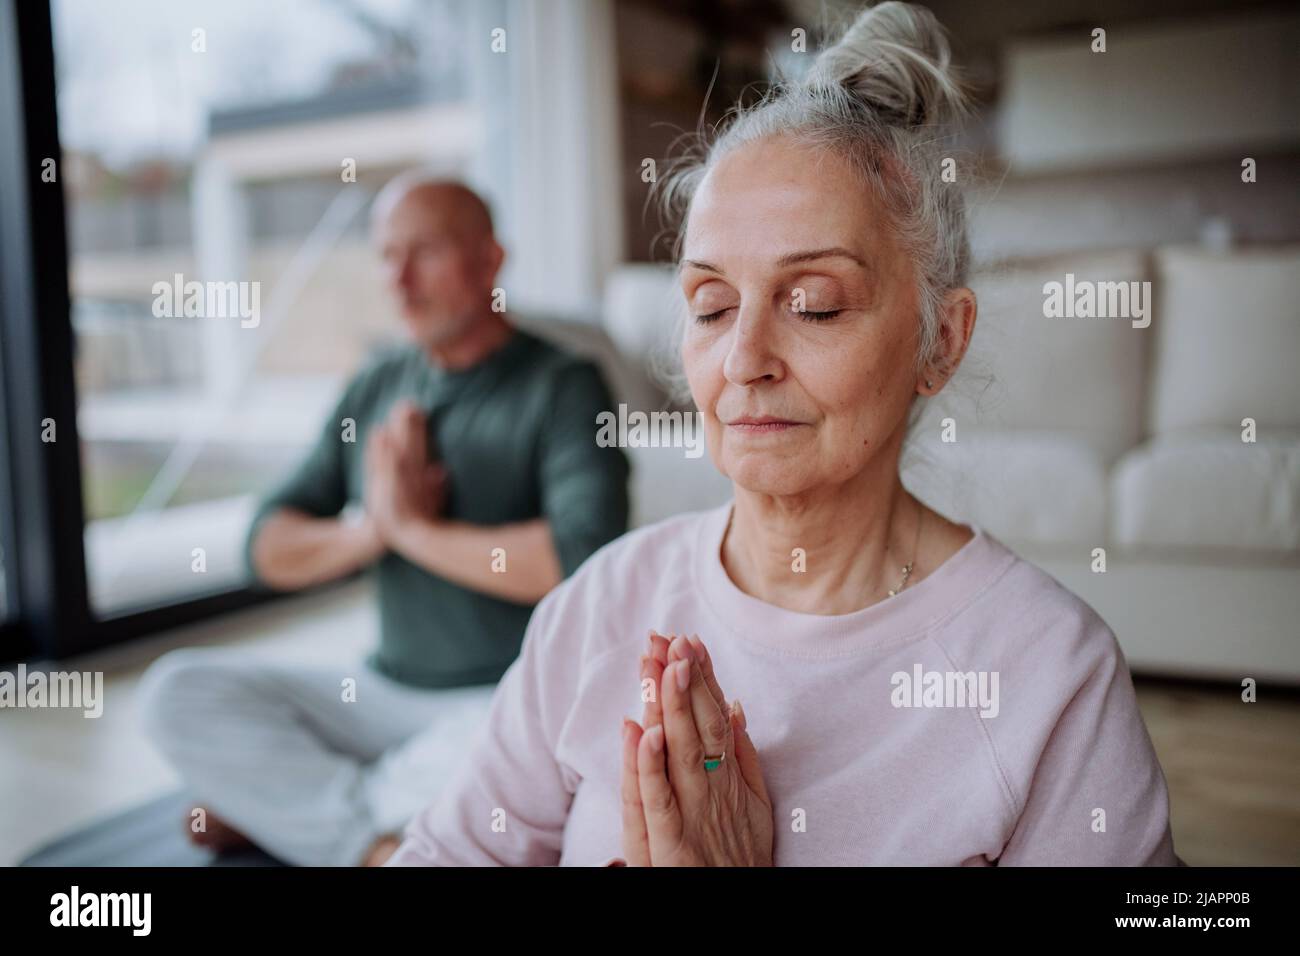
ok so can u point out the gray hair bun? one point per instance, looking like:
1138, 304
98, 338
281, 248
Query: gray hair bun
896, 59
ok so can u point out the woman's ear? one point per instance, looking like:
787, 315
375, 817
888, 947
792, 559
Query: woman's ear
956, 325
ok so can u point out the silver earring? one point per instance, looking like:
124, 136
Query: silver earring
929, 384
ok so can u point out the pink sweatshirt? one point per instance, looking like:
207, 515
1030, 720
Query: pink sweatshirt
983, 715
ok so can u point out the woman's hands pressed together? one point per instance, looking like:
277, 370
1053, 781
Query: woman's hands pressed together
675, 811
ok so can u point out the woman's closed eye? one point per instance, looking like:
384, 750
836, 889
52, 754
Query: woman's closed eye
798, 305
711, 316
808, 315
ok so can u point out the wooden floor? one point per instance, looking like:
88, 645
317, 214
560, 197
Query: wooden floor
1233, 768
59, 770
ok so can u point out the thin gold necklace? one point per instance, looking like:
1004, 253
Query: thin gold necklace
907, 568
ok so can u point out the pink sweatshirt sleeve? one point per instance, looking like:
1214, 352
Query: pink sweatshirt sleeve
508, 804
1097, 759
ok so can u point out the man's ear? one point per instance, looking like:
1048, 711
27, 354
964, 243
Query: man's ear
956, 326
494, 256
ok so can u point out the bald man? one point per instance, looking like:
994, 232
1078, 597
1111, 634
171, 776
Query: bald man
462, 471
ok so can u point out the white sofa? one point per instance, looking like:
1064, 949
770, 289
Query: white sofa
1074, 434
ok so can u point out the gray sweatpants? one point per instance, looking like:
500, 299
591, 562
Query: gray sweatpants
311, 769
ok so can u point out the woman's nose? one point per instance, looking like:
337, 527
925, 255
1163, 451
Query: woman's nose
752, 355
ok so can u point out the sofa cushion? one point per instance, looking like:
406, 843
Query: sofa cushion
1084, 376
1206, 488
1227, 339
1033, 487
665, 482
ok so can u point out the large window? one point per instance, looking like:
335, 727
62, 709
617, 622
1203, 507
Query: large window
228, 148
188, 281
7, 590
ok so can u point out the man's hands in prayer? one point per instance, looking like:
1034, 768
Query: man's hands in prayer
401, 484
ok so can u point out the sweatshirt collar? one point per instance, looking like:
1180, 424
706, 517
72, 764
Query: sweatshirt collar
908, 615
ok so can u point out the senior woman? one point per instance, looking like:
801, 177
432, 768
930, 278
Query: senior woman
913, 692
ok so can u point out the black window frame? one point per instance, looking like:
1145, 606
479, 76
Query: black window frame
50, 615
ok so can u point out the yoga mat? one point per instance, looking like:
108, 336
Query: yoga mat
152, 834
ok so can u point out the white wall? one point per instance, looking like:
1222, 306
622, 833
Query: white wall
1158, 93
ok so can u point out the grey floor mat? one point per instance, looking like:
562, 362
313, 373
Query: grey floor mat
152, 834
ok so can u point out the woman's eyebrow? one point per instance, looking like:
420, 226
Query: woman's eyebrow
790, 259
696, 264
833, 252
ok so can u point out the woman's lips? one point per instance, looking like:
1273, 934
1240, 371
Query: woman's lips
758, 426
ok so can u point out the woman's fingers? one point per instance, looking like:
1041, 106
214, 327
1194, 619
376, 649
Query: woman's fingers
684, 693
706, 670
652, 673
710, 714
636, 846
659, 647
661, 811
692, 647
747, 754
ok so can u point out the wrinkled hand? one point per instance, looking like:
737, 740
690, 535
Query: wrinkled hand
675, 813
401, 484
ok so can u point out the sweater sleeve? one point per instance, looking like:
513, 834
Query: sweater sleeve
1097, 795
584, 486
508, 803
318, 485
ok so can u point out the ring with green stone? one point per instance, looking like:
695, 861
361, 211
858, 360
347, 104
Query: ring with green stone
713, 763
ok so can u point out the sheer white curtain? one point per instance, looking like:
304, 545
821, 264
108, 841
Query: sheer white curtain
549, 156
